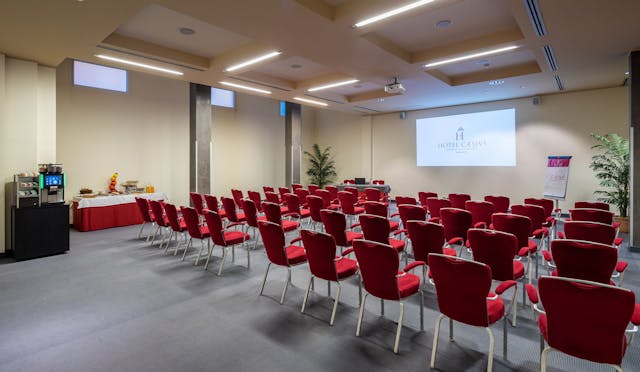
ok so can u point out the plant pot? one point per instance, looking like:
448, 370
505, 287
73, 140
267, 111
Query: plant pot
624, 223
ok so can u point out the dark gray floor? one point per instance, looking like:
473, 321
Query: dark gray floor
113, 303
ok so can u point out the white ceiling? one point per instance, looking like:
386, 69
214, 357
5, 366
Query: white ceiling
590, 39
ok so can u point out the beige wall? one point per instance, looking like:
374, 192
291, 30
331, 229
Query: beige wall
27, 122
143, 134
560, 125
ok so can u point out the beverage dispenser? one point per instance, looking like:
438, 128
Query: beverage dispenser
52, 184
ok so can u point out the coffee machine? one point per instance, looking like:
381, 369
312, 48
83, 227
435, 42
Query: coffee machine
52, 184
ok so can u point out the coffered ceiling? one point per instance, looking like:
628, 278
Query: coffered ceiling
587, 43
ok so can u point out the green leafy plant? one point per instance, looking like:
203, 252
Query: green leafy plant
612, 169
322, 168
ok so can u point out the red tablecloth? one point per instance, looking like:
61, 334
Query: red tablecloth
97, 218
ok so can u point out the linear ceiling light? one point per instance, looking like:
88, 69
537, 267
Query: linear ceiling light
391, 13
333, 85
470, 56
310, 101
132, 63
240, 86
252, 61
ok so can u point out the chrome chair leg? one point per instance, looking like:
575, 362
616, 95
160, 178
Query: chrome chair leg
491, 342
286, 285
225, 251
264, 280
141, 227
436, 333
505, 335
187, 248
200, 252
381, 307
395, 346
248, 255
421, 310
361, 314
543, 358
450, 329
306, 295
335, 304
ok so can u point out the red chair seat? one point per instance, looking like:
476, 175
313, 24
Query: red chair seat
635, 319
393, 225
305, 213
617, 241
288, 225
352, 235
621, 266
235, 237
345, 267
222, 213
408, 284
204, 231
616, 225
358, 210
495, 308
295, 254
397, 244
518, 269
532, 246
449, 252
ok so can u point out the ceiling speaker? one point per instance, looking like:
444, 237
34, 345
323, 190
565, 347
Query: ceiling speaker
536, 100
403, 115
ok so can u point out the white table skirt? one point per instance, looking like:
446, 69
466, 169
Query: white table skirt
109, 200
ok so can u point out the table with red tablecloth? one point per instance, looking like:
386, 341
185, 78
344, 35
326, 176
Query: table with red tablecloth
103, 212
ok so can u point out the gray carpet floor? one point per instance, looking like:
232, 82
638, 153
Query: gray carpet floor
115, 303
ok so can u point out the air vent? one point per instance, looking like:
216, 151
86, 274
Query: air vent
559, 82
259, 83
325, 99
169, 62
366, 109
535, 16
551, 58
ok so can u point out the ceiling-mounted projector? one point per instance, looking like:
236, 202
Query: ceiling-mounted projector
394, 88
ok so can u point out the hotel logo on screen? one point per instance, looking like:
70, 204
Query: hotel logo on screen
460, 145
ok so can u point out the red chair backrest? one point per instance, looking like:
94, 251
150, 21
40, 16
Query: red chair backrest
520, 226
434, 205
406, 200
547, 204
316, 204
301, 194
594, 215
272, 197
347, 202
192, 221
378, 264
352, 181
313, 188
495, 249
457, 200
272, 213
591, 205
143, 206
500, 203
268, 189
172, 217
584, 260
481, 211
375, 208
335, 224
250, 212
212, 203
295, 186
196, 200
254, 196
456, 222
214, 223
230, 208
375, 228
158, 213
424, 195
325, 195
378, 182
274, 242
333, 190
534, 212
426, 237
590, 231
283, 190
372, 194
237, 197
462, 287
321, 254
293, 202
354, 191
411, 212
585, 319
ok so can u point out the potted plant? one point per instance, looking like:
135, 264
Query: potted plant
612, 169
322, 169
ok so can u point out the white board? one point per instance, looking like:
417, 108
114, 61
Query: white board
556, 177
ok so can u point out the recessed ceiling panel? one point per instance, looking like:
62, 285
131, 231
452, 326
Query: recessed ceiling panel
293, 68
159, 25
487, 63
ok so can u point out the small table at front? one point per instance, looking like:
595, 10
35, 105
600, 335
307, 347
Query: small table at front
384, 188
103, 212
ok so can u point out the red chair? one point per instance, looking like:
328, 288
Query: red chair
594, 215
426, 238
463, 288
537, 216
282, 191
196, 200
316, 204
423, 196
296, 186
272, 197
584, 319
313, 188
410, 212
177, 224
378, 182
212, 205
500, 203
333, 190
273, 215
195, 230
324, 264
252, 218
456, 222
279, 253
348, 204
327, 199
371, 194
157, 210
458, 200
254, 196
380, 209
237, 197
497, 250
349, 182
379, 264
230, 210
590, 231
293, 206
376, 229
481, 212
354, 191
406, 200
549, 211
520, 227
302, 196
434, 205
584, 260
145, 212
591, 205
335, 224
225, 239
268, 189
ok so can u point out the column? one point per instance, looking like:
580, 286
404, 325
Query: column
292, 142
199, 138
634, 142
